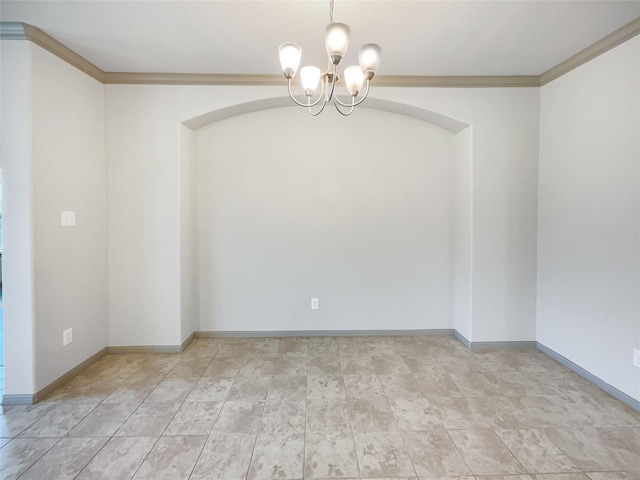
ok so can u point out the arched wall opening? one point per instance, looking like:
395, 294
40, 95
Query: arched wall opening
369, 214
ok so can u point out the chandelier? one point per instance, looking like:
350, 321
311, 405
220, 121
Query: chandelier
336, 40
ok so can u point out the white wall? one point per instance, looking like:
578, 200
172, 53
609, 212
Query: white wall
352, 211
589, 216
143, 145
54, 160
17, 214
68, 173
189, 270
461, 226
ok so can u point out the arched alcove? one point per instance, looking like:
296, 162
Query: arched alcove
364, 215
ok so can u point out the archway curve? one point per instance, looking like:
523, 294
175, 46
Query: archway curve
448, 123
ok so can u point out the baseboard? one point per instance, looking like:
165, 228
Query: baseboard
321, 333
598, 382
187, 342
146, 349
30, 399
462, 338
519, 345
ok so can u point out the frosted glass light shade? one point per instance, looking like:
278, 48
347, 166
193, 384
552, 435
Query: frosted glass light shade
310, 77
354, 78
369, 59
336, 39
290, 55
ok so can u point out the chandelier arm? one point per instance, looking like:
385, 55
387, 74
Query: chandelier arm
344, 114
362, 99
319, 111
300, 103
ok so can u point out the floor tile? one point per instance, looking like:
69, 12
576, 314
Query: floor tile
223, 367
65, 460
58, 421
458, 413
382, 454
325, 387
288, 387
277, 456
325, 364
256, 366
239, 417
190, 365
363, 386
19, 417
400, 386
323, 345
249, 388
119, 459
225, 457
330, 455
298, 347
210, 389
290, 366
172, 458
149, 420
438, 385
609, 476
281, 416
356, 364
194, 418
561, 476
485, 453
390, 365
104, 420
371, 415
434, 454
134, 389
414, 414
172, 390
321, 408
21, 453
587, 448
328, 416
536, 452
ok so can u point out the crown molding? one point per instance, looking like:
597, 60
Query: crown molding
457, 81
142, 78
149, 78
12, 31
603, 45
23, 31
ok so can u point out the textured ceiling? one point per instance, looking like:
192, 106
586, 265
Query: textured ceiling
242, 37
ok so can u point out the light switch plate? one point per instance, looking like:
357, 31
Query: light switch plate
314, 304
68, 219
67, 337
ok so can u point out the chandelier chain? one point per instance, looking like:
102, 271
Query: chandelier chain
331, 10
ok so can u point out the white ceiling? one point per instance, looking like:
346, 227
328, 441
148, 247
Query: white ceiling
448, 37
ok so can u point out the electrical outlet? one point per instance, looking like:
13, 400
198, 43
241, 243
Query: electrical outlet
636, 357
67, 337
68, 219
314, 304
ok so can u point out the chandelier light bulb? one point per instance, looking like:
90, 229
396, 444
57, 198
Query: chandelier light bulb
369, 59
290, 55
353, 78
310, 77
336, 38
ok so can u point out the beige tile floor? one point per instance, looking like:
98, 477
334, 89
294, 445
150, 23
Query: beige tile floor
321, 408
